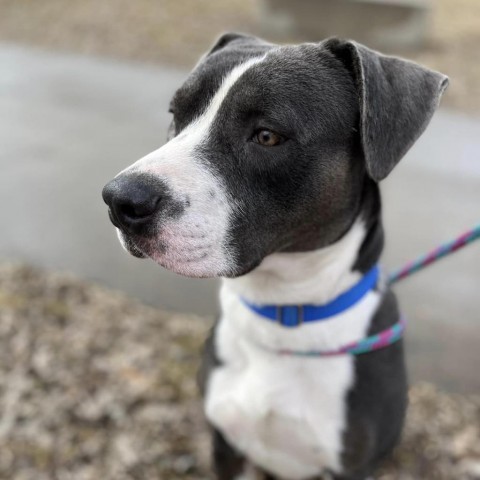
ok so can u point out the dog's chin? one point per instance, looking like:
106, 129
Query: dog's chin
200, 269
207, 266
187, 263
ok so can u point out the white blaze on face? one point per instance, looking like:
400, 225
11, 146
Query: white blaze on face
195, 244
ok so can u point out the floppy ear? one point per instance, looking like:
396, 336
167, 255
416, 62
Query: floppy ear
397, 100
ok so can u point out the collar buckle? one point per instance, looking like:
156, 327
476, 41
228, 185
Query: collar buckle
290, 316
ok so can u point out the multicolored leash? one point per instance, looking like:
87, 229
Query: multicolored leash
373, 342
434, 255
395, 332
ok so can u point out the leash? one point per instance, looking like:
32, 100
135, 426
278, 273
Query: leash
294, 315
370, 344
436, 254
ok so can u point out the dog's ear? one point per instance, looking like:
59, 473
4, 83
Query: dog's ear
228, 38
397, 100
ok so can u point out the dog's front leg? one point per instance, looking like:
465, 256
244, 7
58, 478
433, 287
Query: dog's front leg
227, 462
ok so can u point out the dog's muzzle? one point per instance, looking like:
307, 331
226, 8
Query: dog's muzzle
172, 218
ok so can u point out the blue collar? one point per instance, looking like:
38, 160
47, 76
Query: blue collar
295, 315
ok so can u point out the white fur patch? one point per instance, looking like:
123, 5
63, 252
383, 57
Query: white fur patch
285, 413
195, 244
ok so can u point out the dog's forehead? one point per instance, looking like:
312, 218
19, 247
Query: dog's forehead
295, 70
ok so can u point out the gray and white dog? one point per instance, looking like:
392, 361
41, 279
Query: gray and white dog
269, 179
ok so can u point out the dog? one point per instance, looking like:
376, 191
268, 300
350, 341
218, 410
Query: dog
269, 179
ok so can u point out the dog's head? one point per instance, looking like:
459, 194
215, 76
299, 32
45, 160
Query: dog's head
269, 149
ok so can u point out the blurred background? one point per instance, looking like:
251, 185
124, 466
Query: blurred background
96, 383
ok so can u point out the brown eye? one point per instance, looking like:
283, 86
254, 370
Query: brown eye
267, 138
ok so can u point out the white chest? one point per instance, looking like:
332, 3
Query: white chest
285, 414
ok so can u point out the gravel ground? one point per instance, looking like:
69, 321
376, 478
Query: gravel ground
177, 32
94, 385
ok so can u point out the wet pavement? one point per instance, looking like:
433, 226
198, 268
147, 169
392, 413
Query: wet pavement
69, 123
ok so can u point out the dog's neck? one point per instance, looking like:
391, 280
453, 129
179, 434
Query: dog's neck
315, 277
307, 277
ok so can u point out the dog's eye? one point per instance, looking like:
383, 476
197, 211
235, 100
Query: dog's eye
267, 138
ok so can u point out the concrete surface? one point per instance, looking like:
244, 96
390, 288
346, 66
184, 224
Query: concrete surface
68, 124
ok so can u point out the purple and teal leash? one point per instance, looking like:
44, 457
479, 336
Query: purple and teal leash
373, 342
394, 333
434, 255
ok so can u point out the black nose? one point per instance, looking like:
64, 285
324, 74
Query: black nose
133, 200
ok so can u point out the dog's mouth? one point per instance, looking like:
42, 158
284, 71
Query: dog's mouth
193, 253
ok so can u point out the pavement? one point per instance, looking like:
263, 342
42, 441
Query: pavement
69, 123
